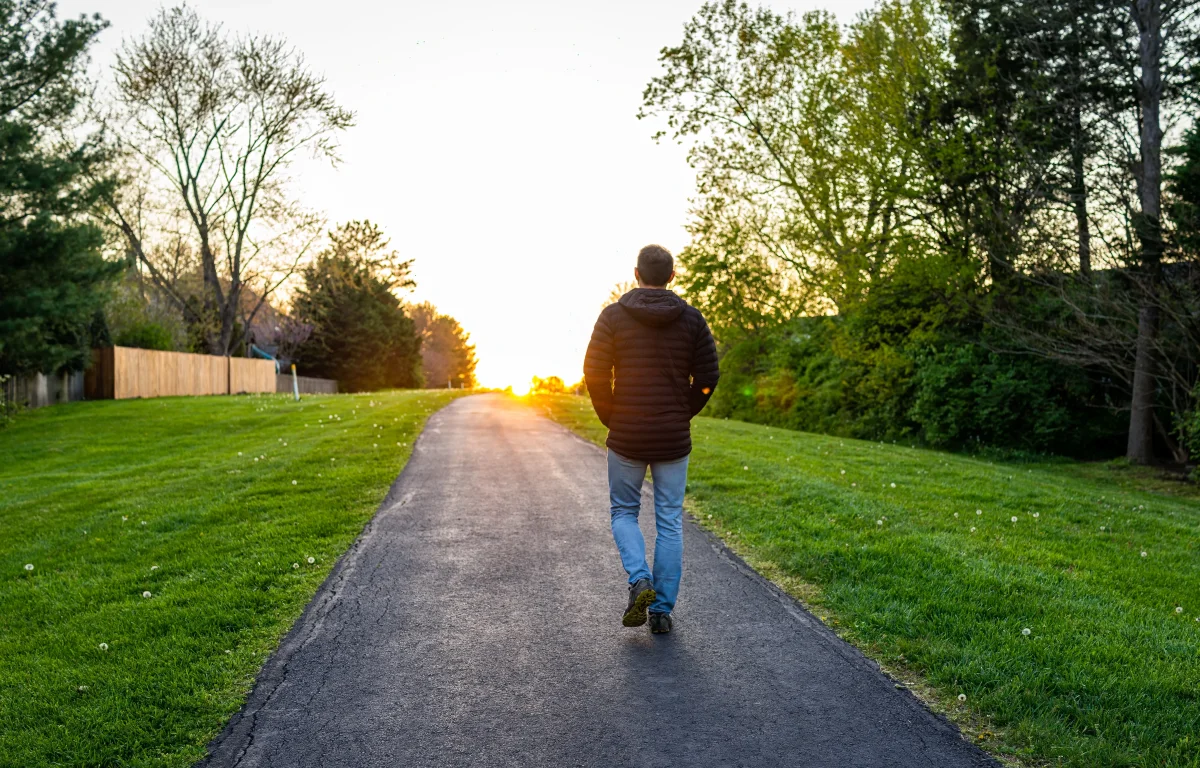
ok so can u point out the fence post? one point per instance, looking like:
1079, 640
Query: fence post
295, 384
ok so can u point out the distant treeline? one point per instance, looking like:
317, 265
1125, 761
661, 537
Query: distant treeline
969, 223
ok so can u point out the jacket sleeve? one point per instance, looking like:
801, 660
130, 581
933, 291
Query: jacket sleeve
705, 371
598, 369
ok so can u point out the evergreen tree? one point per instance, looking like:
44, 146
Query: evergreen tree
53, 278
447, 356
361, 335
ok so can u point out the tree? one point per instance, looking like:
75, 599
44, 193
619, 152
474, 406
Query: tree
447, 356
802, 142
53, 276
360, 334
209, 125
551, 385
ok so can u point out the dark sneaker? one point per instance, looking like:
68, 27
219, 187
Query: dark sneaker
641, 594
660, 623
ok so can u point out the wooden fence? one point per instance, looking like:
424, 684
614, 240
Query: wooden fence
124, 372
37, 390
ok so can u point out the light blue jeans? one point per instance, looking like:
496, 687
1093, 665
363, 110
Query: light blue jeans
625, 478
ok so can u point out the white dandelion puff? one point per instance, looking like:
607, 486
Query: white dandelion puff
1143, 554
239, 453
972, 529
146, 594
893, 485
746, 468
878, 522
1179, 609
312, 560
1014, 518
29, 566
956, 514
1037, 514
962, 697
104, 646
1027, 631
295, 565
293, 482
979, 511
843, 471
154, 567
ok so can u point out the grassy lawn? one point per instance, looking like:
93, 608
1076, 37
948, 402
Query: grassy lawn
1063, 601
173, 543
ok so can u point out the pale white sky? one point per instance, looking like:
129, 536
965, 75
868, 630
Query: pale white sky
497, 144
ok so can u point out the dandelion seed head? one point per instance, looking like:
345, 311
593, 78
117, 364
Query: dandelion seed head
295, 565
972, 529
146, 594
1027, 631
956, 514
962, 697
1179, 609
312, 560
893, 485
293, 482
979, 511
29, 566
154, 567
1143, 554
1014, 518
104, 646
878, 522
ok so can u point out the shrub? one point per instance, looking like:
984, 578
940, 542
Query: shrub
145, 336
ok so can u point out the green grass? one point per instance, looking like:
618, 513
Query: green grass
108, 500
885, 543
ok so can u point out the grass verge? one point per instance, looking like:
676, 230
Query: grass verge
173, 543
1061, 602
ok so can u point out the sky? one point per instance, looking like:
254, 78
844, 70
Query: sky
497, 144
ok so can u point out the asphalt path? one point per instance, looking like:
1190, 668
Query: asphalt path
477, 622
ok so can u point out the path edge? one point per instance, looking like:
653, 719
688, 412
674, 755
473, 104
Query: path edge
230, 746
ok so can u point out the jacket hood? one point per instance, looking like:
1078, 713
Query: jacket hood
652, 306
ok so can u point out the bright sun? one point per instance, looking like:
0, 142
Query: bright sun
522, 389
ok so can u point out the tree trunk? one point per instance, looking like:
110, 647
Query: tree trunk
1147, 15
1079, 197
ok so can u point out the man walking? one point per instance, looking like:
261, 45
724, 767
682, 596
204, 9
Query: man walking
650, 367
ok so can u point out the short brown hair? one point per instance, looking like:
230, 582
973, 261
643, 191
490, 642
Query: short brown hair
655, 265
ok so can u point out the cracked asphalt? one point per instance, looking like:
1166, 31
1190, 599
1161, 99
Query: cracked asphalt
476, 622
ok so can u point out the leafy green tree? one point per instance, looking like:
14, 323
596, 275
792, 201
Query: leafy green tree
447, 356
360, 335
801, 139
53, 277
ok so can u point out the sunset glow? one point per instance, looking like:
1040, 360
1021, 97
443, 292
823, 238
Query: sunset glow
496, 144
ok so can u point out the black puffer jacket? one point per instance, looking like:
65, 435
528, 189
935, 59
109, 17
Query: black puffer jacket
650, 367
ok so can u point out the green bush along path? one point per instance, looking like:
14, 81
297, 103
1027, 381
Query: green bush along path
228, 512
1062, 600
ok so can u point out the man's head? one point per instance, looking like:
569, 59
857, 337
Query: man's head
655, 267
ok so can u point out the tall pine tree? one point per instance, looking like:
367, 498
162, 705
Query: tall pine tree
53, 277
